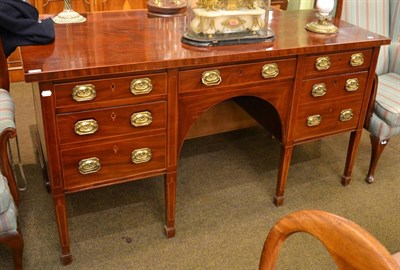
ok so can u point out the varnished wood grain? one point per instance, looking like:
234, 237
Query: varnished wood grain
100, 46
350, 246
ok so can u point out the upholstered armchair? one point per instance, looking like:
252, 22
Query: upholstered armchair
9, 232
383, 122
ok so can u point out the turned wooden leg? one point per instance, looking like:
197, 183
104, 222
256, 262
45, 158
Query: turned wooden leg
16, 244
17, 251
377, 148
61, 217
355, 137
170, 199
284, 163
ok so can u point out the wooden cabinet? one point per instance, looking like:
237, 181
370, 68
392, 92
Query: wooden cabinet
91, 92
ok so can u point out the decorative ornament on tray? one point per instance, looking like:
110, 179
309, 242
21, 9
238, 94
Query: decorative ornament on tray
224, 22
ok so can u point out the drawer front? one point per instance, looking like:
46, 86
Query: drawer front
103, 123
210, 78
322, 65
89, 166
316, 120
125, 90
347, 85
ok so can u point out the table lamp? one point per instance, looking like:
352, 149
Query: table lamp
68, 15
323, 25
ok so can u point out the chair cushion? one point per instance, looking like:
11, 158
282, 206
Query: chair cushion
381, 129
7, 109
5, 195
387, 104
8, 219
8, 211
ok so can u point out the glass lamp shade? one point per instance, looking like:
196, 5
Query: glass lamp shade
221, 22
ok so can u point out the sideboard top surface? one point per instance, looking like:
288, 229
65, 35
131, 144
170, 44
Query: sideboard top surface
120, 42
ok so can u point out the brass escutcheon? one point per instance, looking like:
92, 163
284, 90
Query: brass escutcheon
352, 85
141, 155
141, 86
85, 127
314, 120
346, 115
89, 165
323, 63
270, 71
141, 119
211, 77
84, 92
318, 90
357, 59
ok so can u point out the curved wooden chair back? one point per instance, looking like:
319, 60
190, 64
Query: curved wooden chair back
350, 246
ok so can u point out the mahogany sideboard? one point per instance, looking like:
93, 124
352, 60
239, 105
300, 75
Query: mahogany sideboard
116, 96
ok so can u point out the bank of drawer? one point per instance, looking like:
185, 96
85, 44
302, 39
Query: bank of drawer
103, 123
325, 64
90, 166
308, 126
320, 89
210, 78
124, 89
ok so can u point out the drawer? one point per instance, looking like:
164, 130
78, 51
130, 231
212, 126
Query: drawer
325, 64
317, 120
347, 85
210, 78
104, 163
104, 123
97, 93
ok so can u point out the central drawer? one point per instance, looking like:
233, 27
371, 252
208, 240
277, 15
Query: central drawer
110, 162
104, 123
211, 78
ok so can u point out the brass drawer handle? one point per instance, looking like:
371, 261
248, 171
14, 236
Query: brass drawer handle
86, 127
323, 63
270, 71
141, 86
346, 115
211, 77
314, 120
318, 90
89, 165
141, 119
141, 155
84, 92
357, 59
352, 85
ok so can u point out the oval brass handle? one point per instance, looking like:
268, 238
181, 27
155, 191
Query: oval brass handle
352, 85
141, 86
357, 59
89, 165
84, 92
141, 155
85, 127
211, 77
314, 120
141, 119
270, 70
346, 115
318, 90
323, 63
